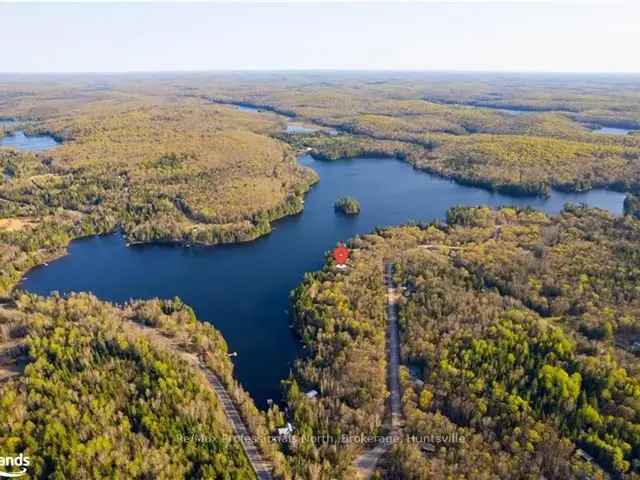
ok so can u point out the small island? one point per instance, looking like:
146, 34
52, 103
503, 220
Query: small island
347, 205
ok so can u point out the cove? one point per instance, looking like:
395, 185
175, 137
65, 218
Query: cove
243, 289
35, 143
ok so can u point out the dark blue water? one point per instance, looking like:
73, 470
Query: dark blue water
36, 143
243, 289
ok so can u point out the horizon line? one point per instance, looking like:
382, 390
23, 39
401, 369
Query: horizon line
321, 70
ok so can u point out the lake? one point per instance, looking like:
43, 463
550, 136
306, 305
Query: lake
31, 143
612, 131
513, 111
292, 127
505, 110
299, 128
243, 289
249, 108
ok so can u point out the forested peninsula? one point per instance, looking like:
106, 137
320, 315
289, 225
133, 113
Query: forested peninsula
186, 173
518, 333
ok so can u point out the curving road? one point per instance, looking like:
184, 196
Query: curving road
259, 464
261, 467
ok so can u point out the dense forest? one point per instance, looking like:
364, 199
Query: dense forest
511, 164
518, 335
457, 127
190, 172
526, 345
171, 169
174, 160
97, 399
180, 141
340, 318
519, 331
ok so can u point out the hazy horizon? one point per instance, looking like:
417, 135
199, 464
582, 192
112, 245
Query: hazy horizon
104, 38
322, 70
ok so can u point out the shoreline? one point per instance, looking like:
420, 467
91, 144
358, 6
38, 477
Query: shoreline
512, 190
282, 211
178, 242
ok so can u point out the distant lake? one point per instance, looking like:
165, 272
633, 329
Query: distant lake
292, 127
522, 111
512, 111
612, 131
243, 289
298, 128
35, 143
508, 110
249, 109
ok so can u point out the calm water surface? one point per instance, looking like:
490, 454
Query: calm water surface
292, 127
249, 109
243, 289
298, 128
36, 143
513, 111
516, 111
506, 110
612, 131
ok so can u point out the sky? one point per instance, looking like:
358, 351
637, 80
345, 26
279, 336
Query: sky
473, 36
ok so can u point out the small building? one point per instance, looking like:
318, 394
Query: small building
312, 394
428, 448
584, 455
286, 430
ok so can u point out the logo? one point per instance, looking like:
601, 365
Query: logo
14, 467
341, 254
